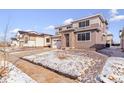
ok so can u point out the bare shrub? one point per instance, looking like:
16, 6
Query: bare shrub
61, 55
3, 71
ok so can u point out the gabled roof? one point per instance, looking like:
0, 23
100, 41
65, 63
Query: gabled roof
56, 36
13, 39
43, 34
84, 18
92, 16
22, 32
33, 33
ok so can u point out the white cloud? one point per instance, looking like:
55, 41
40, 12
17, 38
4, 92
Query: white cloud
115, 15
117, 18
114, 12
68, 21
15, 30
28, 30
116, 41
50, 27
18, 29
108, 32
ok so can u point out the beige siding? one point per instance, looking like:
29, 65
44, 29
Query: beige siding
100, 38
97, 39
30, 44
39, 41
47, 43
95, 20
86, 44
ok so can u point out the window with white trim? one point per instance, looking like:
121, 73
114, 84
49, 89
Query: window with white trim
47, 40
84, 23
83, 36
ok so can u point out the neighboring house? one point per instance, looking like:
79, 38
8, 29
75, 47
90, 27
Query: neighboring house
109, 39
47, 40
122, 38
14, 42
31, 39
89, 32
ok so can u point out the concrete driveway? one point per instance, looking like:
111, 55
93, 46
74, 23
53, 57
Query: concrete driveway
112, 52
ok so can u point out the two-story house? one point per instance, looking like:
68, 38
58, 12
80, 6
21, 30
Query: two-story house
88, 32
31, 39
109, 39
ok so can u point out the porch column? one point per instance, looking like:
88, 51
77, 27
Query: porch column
63, 40
72, 41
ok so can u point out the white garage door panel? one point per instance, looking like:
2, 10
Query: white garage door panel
39, 42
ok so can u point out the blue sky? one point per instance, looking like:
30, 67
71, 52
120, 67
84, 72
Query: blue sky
44, 21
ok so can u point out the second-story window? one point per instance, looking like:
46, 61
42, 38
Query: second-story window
84, 23
87, 22
81, 24
69, 27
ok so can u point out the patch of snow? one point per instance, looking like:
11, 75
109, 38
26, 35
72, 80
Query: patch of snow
72, 65
16, 76
113, 70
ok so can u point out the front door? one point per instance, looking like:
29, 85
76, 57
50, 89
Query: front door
67, 40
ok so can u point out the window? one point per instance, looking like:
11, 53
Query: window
84, 36
81, 24
87, 36
87, 22
47, 40
84, 23
69, 27
79, 37
26, 39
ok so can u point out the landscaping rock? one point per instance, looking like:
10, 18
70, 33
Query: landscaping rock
113, 70
76, 64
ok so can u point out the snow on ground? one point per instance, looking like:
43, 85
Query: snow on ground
72, 65
12, 50
113, 71
112, 51
16, 76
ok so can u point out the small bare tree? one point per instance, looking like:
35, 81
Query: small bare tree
4, 68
